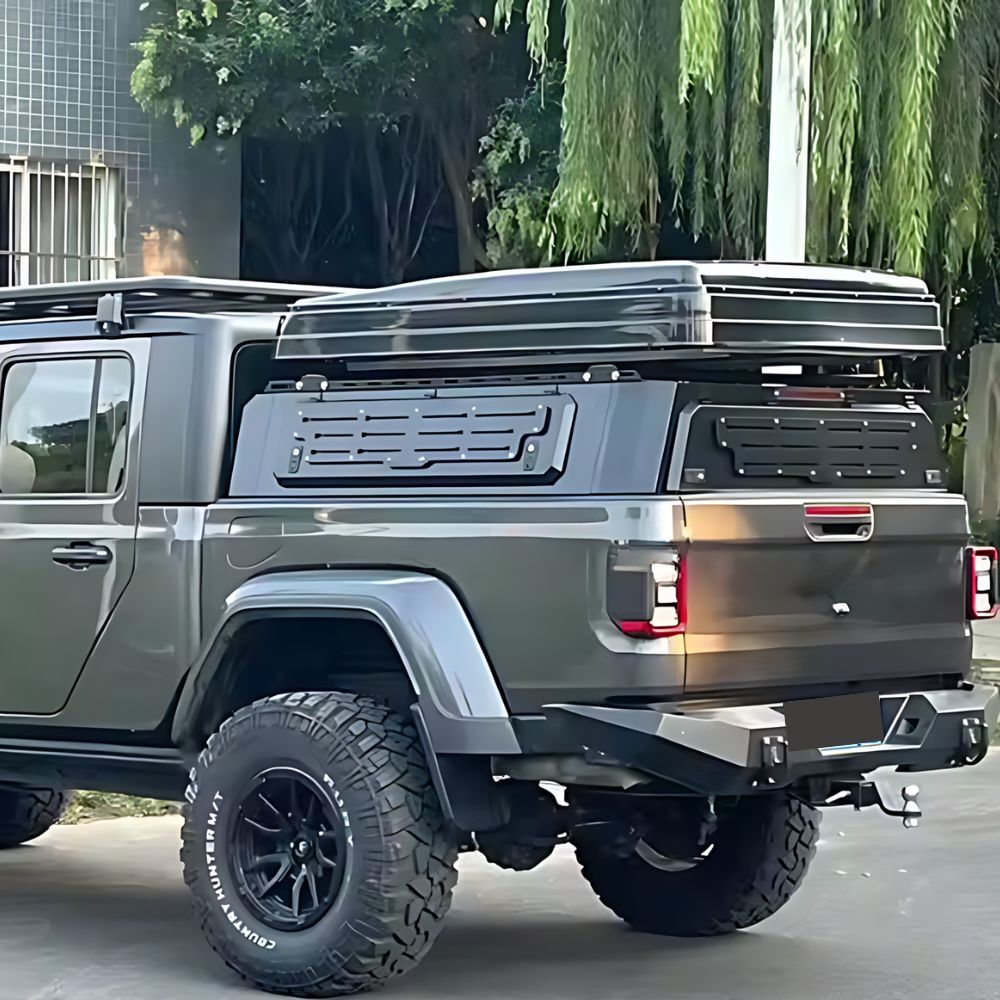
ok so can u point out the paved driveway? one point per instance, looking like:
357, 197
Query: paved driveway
987, 641
100, 913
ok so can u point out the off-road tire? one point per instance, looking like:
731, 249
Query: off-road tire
401, 875
761, 852
26, 813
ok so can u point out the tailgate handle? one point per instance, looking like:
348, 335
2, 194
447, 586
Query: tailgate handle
839, 522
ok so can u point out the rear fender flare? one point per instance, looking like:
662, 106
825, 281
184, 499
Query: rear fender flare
459, 707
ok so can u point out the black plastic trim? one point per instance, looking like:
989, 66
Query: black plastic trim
96, 767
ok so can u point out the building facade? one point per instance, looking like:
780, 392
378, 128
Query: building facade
90, 187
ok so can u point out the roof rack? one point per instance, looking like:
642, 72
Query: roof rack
720, 308
111, 302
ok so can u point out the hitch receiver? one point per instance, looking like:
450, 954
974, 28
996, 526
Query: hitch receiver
862, 794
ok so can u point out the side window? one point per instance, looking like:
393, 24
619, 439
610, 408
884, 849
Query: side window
114, 387
64, 426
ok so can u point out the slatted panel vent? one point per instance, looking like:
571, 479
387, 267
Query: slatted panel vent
830, 449
502, 436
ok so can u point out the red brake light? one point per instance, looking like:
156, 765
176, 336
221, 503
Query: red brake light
669, 607
839, 510
793, 394
984, 588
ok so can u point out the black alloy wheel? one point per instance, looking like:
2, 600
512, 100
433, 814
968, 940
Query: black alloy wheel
290, 848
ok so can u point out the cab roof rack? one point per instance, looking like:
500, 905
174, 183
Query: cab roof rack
111, 302
681, 308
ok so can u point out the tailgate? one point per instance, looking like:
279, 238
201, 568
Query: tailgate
789, 591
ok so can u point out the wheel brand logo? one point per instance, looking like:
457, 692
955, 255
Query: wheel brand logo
215, 881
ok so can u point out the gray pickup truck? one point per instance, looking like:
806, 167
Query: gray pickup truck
360, 575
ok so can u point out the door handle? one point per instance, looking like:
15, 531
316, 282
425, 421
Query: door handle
81, 555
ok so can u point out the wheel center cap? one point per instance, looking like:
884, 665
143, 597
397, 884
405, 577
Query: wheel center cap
301, 848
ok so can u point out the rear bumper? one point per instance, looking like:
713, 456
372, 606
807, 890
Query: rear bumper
735, 749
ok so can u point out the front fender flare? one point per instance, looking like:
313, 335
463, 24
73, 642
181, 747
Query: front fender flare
459, 704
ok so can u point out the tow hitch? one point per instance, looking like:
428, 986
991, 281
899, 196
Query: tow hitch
862, 794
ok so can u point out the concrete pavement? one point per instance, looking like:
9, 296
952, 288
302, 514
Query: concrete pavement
986, 645
100, 913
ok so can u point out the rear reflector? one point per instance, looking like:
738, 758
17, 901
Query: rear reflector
984, 587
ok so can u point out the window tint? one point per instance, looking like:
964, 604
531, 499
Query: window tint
63, 427
111, 425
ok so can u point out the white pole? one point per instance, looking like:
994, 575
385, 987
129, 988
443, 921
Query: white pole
788, 156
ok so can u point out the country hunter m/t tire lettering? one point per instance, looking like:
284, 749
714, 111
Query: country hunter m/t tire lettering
759, 855
314, 845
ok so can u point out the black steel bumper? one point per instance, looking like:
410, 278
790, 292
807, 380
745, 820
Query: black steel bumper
736, 749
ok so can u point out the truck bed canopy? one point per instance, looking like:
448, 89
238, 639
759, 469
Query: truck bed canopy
682, 309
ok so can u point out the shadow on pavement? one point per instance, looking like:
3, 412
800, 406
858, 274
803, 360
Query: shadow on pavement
75, 911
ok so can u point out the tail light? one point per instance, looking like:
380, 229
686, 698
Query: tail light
984, 592
647, 592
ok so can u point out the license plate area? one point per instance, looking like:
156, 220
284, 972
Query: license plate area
836, 723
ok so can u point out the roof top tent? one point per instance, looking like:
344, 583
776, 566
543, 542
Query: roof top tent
678, 310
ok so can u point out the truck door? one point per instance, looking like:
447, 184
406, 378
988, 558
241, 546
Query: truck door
68, 509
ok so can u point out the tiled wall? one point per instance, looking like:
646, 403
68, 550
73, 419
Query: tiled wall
65, 68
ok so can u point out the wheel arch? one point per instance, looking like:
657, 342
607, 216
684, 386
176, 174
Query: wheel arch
457, 706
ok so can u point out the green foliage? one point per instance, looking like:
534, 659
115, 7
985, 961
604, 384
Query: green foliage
916, 38
669, 96
835, 115
702, 44
986, 533
870, 226
519, 171
641, 113
537, 14
272, 64
664, 52
608, 174
746, 127
429, 71
958, 163
86, 807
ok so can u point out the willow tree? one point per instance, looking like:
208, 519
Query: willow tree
664, 115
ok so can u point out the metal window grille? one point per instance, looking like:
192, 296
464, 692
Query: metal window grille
59, 222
